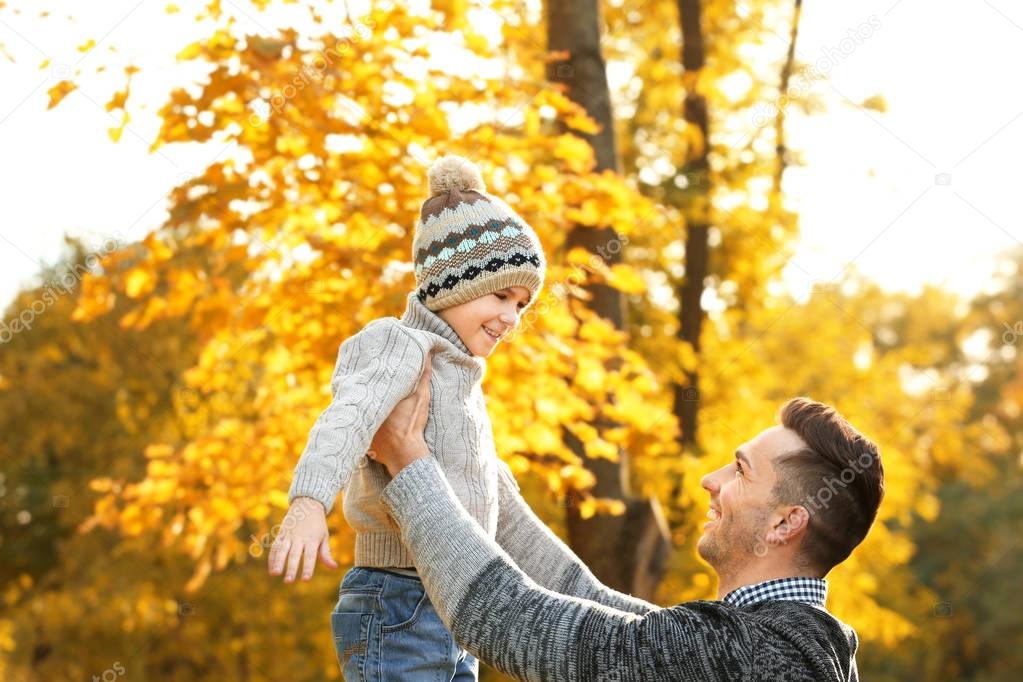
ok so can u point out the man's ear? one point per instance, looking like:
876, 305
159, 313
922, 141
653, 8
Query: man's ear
790, 524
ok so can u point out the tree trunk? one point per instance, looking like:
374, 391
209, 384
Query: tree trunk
628, 552
690, 314
783, 87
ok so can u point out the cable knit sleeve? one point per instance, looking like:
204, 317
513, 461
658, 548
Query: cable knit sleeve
375, 369
545, 558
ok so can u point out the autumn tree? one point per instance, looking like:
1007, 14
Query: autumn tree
190, 365
625, 551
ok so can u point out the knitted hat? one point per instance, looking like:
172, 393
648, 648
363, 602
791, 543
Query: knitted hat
469, 243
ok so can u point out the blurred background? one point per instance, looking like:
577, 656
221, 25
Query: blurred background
741, 202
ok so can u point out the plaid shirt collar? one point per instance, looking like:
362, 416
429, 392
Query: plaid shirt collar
813, 591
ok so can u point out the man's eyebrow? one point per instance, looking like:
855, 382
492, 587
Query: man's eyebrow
739, 454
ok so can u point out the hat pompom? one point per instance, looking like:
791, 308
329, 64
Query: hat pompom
454, 172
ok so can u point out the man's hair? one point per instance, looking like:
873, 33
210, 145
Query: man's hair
838, 477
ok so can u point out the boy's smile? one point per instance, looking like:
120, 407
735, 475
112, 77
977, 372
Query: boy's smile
482, 322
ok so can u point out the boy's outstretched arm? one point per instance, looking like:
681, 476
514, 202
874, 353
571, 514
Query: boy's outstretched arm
375, 369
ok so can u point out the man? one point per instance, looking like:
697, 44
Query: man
795, 502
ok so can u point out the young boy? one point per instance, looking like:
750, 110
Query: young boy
478, 265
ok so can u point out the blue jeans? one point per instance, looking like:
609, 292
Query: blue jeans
386, 630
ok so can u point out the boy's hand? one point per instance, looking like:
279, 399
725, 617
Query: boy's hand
400, 439
303, 532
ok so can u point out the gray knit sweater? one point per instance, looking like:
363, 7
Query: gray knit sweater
375, 369
532, 630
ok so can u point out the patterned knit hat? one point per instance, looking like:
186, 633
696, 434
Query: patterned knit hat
469, 243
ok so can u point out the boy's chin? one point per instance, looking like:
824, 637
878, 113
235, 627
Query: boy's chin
481, 352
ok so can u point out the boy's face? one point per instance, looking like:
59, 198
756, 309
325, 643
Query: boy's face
475, 320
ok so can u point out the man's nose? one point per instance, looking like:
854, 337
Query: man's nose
710, 482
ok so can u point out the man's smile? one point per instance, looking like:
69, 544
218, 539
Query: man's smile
714, 514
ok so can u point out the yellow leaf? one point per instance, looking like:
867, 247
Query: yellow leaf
601, 449
875, 102
587, 508
131, 520
87, 45
575, 152
625, 278
59, 92
598, 330
138, 282
202, 571
159, 451
582, 123
158, 249
590, 373
101, 485
115, 133
606, 505
118, 100
223, 508
578, 255
190, 52
541, 438
686, 356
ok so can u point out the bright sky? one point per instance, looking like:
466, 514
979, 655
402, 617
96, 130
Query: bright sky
922, 193
925, 192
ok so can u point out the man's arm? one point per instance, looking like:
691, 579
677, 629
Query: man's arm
375, 369
545, 558
500, 614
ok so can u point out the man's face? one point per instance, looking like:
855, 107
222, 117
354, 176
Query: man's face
477, 321
741, 501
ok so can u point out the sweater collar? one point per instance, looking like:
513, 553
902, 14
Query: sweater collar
418, 316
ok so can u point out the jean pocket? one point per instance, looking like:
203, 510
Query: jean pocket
413, 640
351, 643
403, 602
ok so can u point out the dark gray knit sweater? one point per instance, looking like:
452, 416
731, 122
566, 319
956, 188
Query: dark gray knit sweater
533, 632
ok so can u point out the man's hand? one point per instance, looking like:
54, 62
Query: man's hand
400, 440
303, 531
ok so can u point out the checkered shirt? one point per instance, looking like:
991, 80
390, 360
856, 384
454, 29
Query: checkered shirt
812, 591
